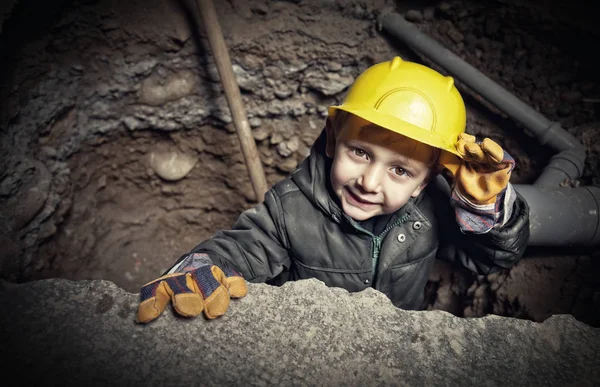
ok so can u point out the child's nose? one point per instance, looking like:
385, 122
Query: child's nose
371, 178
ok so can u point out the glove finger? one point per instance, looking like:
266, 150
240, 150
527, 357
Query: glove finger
466, 137
477, 154
460, 148
154, 298
463, 140
216, 297
235, 283
494, 151
185, 296
449, 161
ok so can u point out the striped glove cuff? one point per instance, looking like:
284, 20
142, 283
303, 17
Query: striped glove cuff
481, 218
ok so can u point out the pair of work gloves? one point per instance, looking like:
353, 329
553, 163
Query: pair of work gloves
481, 196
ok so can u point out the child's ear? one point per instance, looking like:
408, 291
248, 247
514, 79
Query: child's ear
420, 188
433, 172
330, 146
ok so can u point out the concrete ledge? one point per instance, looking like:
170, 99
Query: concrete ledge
83, 333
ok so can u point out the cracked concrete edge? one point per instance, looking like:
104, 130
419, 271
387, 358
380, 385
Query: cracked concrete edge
303, 333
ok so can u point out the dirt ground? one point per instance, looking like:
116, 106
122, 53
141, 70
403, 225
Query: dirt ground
119, 154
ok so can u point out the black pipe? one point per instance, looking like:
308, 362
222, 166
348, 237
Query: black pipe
562, 216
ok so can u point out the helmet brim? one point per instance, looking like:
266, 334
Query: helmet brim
399, 126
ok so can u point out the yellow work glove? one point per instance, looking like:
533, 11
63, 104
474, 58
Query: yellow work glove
481, 194
482, 173
197, 286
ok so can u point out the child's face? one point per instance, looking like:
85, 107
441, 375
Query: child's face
375, 171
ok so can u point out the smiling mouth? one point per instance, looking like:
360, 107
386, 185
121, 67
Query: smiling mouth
357, 199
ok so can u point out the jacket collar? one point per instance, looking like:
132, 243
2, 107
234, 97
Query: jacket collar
312, 177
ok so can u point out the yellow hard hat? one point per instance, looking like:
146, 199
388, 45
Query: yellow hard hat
408, 98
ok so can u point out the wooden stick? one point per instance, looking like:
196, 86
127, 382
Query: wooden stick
234, 98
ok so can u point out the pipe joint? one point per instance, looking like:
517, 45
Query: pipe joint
568, 164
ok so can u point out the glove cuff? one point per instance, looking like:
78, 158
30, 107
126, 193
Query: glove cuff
191, 262
481, 218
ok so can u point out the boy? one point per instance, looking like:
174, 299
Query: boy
366, 207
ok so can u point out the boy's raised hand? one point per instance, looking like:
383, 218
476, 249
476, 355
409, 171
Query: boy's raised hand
481, 194
484, 171
198, 286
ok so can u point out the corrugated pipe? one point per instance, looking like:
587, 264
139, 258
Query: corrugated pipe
559, 216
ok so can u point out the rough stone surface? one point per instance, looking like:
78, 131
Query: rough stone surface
84, 333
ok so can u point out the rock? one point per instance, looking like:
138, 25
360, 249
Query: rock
245, 79
24, 187
334, 67
455, 35
157, 90
358, 11
171, 165
328, 83
62, 332
414, 16
254, 122
287, 148
276, 138
298, 109
273, 72
282, 91
288, 165
132, 123
260, 133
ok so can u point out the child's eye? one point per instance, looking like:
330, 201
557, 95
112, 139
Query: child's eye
400, 171
359, 152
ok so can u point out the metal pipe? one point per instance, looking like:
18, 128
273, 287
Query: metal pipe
547, 132
562, 216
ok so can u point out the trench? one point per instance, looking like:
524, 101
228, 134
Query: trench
110, 215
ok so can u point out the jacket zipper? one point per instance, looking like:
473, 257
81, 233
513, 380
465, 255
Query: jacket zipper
376, 243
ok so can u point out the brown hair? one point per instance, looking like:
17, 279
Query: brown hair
341, 116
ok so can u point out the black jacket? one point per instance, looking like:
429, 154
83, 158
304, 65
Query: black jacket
300, 232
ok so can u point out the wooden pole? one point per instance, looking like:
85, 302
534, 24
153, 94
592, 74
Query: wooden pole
234, 98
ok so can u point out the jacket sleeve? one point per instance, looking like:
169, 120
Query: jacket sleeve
253, 246
498, 249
